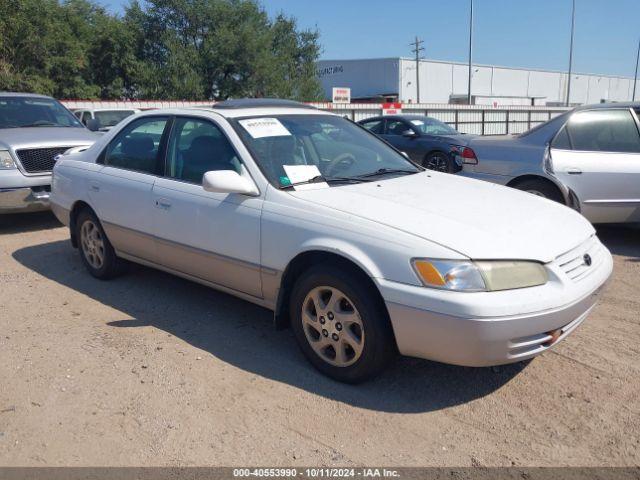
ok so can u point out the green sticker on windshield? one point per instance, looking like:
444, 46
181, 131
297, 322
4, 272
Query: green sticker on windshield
284, 181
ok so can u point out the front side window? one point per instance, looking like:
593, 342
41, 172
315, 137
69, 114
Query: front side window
86, 116
137, 146
337, 147
397, 127
22, 112
374, 126
604, 131
196, 147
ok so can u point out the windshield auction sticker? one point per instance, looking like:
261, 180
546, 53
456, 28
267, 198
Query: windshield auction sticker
264, 127
303, 173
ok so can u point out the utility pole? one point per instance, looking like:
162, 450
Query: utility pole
635, 77
417, 48
573, 23
470, 49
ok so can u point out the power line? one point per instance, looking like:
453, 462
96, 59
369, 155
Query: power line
417, 48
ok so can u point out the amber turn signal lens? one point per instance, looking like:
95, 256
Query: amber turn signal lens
429, 273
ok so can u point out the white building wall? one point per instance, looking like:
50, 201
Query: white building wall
368, 77
440, 80
546, 85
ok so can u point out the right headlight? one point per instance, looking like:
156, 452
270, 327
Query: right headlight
6, 160
479, 276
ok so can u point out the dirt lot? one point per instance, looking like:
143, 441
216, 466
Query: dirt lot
150, 369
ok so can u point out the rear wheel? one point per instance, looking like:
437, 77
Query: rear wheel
340, 324
438, 161
541, 189
95, 249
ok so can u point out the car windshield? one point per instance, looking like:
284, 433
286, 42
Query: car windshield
16, 112
338, 148
431, 126
109, 118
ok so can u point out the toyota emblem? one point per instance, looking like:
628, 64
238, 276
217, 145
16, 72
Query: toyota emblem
587, 259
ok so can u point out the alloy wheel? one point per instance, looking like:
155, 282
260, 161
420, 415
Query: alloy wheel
92, 244
438, 162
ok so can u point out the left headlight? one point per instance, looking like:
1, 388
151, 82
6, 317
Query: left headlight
6, 160
480, 276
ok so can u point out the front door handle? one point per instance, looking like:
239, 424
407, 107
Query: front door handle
163, 203
574, 171
94, 186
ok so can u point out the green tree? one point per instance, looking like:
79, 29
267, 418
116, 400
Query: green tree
164, 49
222, 49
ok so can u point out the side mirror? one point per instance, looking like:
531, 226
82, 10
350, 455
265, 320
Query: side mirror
409, 134
93, 124
228, 181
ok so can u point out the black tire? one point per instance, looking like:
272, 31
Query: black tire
541, 189
378, 348
111, 266
438, 161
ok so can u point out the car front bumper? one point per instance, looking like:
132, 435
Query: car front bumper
25, 199
501, 327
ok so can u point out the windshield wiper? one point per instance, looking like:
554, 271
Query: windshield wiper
322, 178
385, 171
40, 124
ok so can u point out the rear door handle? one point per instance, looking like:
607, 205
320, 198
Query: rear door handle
94, 186
574, 171
163, 203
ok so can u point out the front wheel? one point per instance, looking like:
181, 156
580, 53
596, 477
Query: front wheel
340, 324
438, 161
95, 249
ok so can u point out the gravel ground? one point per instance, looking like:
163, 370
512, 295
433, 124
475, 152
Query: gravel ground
150, 369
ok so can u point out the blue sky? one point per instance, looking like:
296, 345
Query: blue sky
517, 33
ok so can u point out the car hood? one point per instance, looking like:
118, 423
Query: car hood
477, 219
35, 137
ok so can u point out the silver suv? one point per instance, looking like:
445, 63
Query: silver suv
34, 130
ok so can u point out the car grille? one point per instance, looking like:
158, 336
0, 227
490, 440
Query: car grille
39, 160
574, 263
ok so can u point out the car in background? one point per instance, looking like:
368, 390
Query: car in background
587, 158
344, 238
427, 141
34, 130
103, 119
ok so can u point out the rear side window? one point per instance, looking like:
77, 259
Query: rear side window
562, 141
604, 131
137, 146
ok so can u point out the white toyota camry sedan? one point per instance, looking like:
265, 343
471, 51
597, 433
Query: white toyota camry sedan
363, 253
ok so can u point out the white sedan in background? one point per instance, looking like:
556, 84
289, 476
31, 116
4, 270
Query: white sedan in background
588, 159
359, 250
103, 119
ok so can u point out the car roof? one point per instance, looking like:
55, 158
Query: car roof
240, 103
597, 106
21, 94
414, 116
